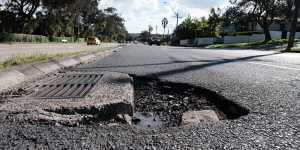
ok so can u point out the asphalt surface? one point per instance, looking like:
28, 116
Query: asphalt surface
265, 82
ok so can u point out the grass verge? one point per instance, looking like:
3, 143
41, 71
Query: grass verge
251, 44
294, 50
19, 60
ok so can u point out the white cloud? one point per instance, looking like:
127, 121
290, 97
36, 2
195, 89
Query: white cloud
139, 14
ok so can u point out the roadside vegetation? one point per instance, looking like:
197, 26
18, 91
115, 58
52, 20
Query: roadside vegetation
21, 59
28, 38
250, 44
40, 21
244, 17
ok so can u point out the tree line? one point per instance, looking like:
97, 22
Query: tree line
243, 12
61, 18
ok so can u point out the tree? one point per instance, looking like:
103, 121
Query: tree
192, 27
23, 10
293, 25
286, 9
150, 29
264, 12
61, 18
237, 17
144, 36
164, 23
8, 22
214, 19
113, 25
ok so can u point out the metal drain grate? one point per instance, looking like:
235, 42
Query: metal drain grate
67, 86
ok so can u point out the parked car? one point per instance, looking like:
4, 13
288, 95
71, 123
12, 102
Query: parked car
93, 41
155, 41
64, 41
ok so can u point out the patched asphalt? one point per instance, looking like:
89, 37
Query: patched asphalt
265, 82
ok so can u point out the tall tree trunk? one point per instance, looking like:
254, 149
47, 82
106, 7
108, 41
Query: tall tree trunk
283, 30
267, 32
293, 26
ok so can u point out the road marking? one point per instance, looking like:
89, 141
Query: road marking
275, 66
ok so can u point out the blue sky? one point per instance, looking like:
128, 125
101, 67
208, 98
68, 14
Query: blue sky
139, 14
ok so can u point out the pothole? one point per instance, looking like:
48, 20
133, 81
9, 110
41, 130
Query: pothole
163, 104
156, 104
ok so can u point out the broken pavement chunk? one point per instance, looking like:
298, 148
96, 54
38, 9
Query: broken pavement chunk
196, 117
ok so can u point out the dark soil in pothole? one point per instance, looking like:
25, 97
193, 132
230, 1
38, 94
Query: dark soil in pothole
165, 103
161, 104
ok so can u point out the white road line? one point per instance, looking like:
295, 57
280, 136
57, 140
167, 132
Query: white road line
275, 66
116, 48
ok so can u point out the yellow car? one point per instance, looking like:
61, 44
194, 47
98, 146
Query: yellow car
93, 41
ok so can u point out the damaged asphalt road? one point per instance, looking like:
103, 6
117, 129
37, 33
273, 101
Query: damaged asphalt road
267, 83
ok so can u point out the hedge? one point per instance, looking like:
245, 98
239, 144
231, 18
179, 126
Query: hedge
12, 37
241, 33
7, 37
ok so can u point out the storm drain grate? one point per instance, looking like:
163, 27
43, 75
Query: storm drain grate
67, 86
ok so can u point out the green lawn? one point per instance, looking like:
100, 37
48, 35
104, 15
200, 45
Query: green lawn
247, 45
19, 60
295, 50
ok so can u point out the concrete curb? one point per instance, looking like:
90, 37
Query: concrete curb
111, 96
18, 74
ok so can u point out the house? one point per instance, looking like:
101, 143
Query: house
277, 25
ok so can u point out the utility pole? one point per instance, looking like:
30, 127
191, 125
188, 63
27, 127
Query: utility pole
178, 16
156, 29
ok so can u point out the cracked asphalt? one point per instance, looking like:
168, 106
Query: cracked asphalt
265, 82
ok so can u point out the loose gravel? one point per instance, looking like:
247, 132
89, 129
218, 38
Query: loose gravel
166, 102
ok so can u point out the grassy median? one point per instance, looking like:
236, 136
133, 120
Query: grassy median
19, 60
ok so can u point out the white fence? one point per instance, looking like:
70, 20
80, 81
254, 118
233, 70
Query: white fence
184, 42
257, 38
204, 41
297, 36
243, 38
187, 42
276, 35
234, 39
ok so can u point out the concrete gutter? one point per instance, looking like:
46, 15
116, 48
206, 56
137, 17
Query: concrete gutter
111, 96
19, 74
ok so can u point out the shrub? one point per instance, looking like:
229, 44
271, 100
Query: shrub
11, 37
249, 33
59, 39
69, 39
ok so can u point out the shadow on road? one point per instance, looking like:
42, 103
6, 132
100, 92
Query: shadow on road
213, 63
207, 63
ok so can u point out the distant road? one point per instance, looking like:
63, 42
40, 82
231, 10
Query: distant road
10, 50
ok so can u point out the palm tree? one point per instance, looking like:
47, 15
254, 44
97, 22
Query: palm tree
164, 23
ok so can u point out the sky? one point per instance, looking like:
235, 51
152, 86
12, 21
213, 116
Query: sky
139, 14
